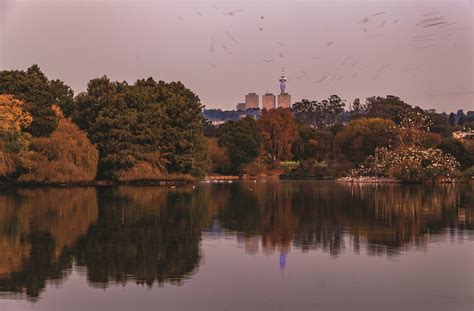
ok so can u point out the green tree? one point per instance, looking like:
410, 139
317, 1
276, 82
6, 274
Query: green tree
459, 151
39, 94
312, 143
390, 107
318, 114
362, 136
150, 127
241, 139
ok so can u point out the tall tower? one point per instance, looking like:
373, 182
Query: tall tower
284, 99
282, 81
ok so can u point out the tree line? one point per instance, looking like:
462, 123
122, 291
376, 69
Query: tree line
155, 130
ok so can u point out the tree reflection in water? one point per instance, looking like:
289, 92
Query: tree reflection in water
152, 234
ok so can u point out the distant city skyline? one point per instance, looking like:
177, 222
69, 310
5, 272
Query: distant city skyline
421, 51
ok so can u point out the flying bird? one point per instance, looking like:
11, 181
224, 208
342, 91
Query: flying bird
199, 13
432, 13
383, 67
225, 49
322, 79
232, 13
281, 55
348, 58
260, 28
365, 29
434, 24
180, 18
379, 13
424, 47
268, 60
280, 44
261, 17
315, 57
429, 20
383, 23
395, 21
365, 20
231, 37
446, 25
329, 43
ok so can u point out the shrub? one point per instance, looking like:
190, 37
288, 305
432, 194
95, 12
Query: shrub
66, 155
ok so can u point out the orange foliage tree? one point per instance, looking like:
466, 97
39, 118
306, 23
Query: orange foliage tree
13, 119
67, 155
278, 130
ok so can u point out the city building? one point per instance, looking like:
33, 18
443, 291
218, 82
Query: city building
240, 107
268, 101
251, 101
284, 99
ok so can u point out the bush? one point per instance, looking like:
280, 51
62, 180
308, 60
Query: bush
67, 155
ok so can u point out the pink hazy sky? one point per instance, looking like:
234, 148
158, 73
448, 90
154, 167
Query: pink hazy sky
326, 47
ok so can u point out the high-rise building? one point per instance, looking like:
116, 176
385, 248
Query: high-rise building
284, 99
251, 101
268, 101
240, 107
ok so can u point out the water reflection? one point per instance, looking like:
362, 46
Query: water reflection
152, 235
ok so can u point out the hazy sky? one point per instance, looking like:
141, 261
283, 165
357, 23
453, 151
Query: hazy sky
326, 47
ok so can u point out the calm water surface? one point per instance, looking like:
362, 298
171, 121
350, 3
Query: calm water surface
245, 245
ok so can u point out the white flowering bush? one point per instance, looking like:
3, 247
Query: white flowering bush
411, 164
419, 165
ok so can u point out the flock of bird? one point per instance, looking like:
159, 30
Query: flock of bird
438, 26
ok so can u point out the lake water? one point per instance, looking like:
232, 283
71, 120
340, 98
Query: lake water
285, 245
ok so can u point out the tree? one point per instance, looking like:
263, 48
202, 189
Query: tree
66, 155
278, 130
390, 107
38, 93
311, 143
156, 126
13, 120
413, 128
459, 151
362, 136
318, 114
241, 139
220, 161
357, 109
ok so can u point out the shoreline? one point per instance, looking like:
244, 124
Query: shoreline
191, 181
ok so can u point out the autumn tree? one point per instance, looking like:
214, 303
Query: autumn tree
66, 155
38, 93
13, 120
362, 136
278, 130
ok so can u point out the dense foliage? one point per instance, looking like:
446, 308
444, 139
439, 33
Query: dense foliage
156, 130
39, 94
65, 156
142, 130
241, 140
